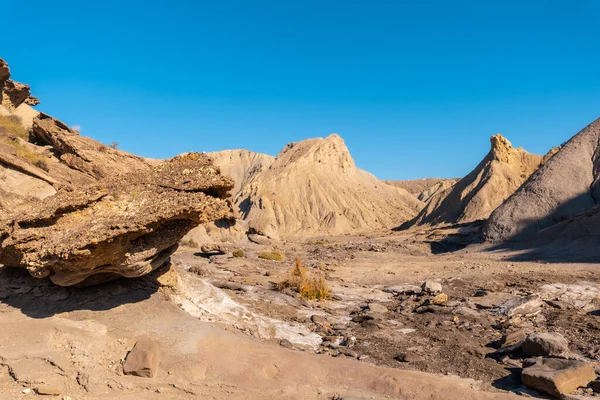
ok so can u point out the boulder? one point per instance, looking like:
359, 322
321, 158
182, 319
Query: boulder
127, 225
545, 344
513, 340
557, 376
143, 359
529, 305
377, 308
431, 287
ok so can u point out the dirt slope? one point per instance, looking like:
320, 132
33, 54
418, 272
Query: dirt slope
314, 187
241, 165
566, 185
475, 196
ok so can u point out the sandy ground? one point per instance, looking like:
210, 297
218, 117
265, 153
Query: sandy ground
249, 341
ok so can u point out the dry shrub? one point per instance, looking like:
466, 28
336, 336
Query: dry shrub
11, 126
239, 253
24, 152
271, 255
307, 286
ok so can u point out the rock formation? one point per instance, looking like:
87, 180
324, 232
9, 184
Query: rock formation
13, 94
475, 196
125, 225
91, 159
424, 189
565, 186
39, 154
241, 165
314, 187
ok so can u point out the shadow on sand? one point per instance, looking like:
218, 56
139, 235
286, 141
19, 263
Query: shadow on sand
40, 298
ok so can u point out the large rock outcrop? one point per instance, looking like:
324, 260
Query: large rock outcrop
314, 188
39, 154
13, 94
125, 225
85, 155
566, 185
476, 195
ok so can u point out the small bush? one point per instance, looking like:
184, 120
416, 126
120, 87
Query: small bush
114, 145
239, 253
42, 164
190, 243
195, 269
271, 255
308, 287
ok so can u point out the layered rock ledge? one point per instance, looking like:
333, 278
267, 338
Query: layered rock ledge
126, 225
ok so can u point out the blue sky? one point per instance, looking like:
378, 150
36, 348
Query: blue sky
414, 88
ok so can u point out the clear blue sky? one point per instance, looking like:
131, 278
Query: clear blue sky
414, 87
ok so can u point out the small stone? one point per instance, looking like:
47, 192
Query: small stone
26, 391
362, 318
431, 287
556, 376
409, 357
319, 320
347, 352
465, 312
439, 299
545, 344
377, 308
49, 390
143, 359
286, 343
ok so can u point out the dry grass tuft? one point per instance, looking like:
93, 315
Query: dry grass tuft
308, 287
271, 255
